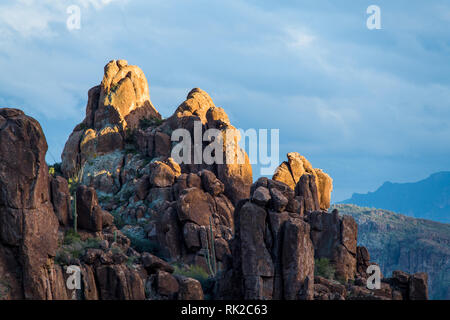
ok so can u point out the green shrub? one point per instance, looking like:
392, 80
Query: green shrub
73, 247
131, 261
147, 123
144, 245
71, 237
323, 268
55, 169
193, 271
119, 222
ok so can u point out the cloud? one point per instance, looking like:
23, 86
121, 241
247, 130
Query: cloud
357, 103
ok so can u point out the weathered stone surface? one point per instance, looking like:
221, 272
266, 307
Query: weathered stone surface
114, 107
210, 183
27, 221
118, 282
189, 289
261, 196
152, 263
325, 187
256, 259
297, 261
278, 200
166, 284
161, 175
291, 172
349, 232
90, 215
334, 238
306, 191
61, 200
142, 187
418, 286
234, 171
191, 234
362, 260
163, 145
196, 206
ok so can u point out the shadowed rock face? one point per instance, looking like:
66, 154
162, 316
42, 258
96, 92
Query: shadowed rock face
35, 212
28, 225
273, 255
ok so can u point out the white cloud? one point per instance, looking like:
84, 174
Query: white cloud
299, 38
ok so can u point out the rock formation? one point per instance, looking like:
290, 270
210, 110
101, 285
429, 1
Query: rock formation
273, 255
113, 107
36, 246
28, 225
297, 167
130, 218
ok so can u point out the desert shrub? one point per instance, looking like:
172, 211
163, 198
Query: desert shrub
119, 222
147, 123
74, 248
71, 237
131, 261
193, 271
144, 245
55, 169
323, 268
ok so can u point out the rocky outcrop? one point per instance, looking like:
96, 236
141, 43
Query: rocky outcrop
273, 255
132, 220
28, 224
298, 169
398, 242
334, 238
120, 119
113, 107
37, 244
233, 167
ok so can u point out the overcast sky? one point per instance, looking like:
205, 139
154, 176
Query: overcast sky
366, 106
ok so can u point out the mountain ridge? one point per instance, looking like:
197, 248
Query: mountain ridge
428, 198
397, 241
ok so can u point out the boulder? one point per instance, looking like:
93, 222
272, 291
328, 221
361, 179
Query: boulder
161, 175
196, 206
189, 289
261, 196
90, 215
118, 282
291, 172
297, 261
152, 263
418, 286
210, 183
61, 200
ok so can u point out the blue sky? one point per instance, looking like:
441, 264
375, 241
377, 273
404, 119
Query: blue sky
366, 106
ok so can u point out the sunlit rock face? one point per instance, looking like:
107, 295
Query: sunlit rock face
291, 171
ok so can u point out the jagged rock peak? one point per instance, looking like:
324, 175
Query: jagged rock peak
115, 106
290, 172
125, 88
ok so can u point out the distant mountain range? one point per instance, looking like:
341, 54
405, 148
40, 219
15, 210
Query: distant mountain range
427, 199
398, 242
